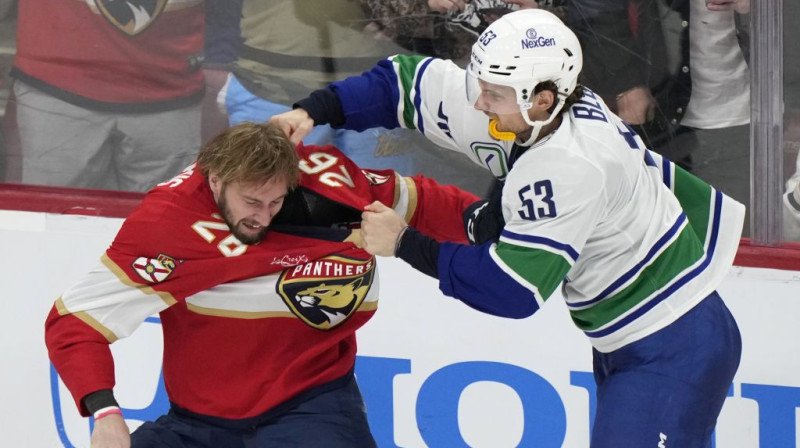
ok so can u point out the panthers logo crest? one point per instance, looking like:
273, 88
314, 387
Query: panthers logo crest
326, 292
131, 16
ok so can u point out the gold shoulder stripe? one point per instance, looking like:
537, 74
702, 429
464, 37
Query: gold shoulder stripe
62, 310
121, 276
368, 306
237, 314
406, 184
412, 198
88, 320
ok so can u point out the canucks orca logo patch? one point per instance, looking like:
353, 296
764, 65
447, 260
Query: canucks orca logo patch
326, 292
131, 16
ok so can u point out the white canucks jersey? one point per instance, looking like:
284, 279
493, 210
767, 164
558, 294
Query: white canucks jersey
634, 241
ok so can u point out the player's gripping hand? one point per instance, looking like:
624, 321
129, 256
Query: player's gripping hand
380, 229
111, 432
296, 124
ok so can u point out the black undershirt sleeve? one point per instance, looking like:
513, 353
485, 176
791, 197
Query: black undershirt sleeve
420, 251
98, 400
323, 106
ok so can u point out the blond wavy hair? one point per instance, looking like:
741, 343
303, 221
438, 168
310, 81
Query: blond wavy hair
250, 153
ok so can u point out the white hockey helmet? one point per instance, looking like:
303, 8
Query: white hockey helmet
523, 49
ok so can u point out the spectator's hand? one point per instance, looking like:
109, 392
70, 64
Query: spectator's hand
111, 432
447, 5
375, 30
380, 229
296, 124
740, 6
636, 105
523, 4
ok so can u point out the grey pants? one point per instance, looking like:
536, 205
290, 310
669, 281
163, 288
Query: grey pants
66, 145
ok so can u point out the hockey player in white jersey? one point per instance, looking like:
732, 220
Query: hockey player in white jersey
637, 245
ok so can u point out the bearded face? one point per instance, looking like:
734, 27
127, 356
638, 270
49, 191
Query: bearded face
246, 230
248, 209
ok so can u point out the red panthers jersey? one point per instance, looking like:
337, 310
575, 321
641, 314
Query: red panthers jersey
246, 327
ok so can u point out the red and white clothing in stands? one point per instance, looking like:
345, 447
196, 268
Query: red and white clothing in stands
246, 327
114, 56
108, 92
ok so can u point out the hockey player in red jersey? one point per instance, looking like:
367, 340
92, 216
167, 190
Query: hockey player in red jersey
260, 286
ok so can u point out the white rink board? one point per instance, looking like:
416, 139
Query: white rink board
420, 347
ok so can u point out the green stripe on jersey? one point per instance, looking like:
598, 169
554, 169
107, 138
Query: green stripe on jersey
682, 253
543, 269
406, 67
694, 196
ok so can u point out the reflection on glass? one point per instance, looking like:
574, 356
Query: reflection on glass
677, 72
126, 101
791, 126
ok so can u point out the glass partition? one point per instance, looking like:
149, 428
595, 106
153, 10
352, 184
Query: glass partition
93, 96
791, 125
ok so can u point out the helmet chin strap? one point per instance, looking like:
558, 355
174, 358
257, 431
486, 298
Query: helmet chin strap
537, 125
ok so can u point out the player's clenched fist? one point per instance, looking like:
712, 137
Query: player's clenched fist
296, 124
381, 227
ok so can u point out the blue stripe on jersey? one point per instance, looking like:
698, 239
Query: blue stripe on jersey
418, 95
663, 241
469, 274
675, 286
649, 160
543, 241
666, 170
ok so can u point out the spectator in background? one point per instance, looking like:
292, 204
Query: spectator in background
791, 202
7, 46
414, 27
223, 37
677, 71
444, 29
441, 28
791, 84
293, 47
107, 93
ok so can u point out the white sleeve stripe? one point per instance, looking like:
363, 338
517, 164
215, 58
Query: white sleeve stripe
511, 273
538, 241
